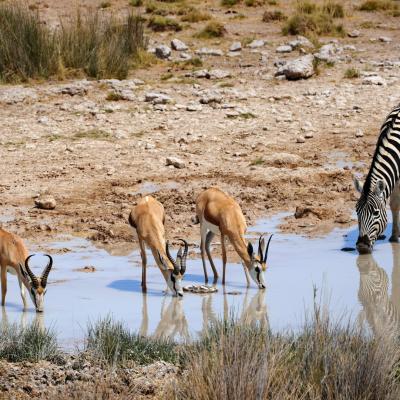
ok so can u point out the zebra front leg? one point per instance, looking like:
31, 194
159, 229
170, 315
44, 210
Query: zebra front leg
395, 208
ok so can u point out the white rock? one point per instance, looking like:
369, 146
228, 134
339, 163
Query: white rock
175, 161
194, 107
284, 49
374, 80
354, 34
235, 46
219, 74
359, 133
157, 98
256, 44
17, 94
46, 202
300, 139
385, 39
300, 41
163, 51
178, 45
300, 68
205, 51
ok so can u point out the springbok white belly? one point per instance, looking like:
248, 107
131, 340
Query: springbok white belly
211, 227
11, 271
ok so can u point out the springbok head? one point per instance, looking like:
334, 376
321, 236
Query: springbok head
258, 263
174, 277
36, 285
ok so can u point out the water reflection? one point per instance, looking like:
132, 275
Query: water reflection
380, 310
173, 323
38, 318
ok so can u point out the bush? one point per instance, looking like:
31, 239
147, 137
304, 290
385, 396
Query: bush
196, 16
229, 3
32, 343
306, 7
378, 5
334, 9
325, 360
160, 24
110, 342
276, 15
213, 29
352, 73
27, 48
136, 3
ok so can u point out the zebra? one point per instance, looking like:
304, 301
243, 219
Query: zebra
382, 183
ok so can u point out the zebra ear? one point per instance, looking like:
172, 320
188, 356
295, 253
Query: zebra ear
379, 188
358, 185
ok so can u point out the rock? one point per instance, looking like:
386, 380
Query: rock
178, 45
284, 49
235, 46
359, 133
309, 135
211, 98
322, 213
327, 53
256, 44
17, 94
79, 88
300, 68
300, 41
176, 162
194, 107
374, 80
219, 74
205, 51
157, 98
354, 34
385, 39
202, 73
300, 139
43, 120
282, 159
87, 269
162, 51
46, 202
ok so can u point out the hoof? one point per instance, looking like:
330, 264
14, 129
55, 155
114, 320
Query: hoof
394, 239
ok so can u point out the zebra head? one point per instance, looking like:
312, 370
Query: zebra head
371, 214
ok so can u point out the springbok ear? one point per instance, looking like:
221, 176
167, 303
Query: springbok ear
358, 185
23, 272
250, 250
379, 188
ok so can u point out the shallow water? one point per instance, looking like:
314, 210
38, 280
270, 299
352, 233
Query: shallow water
365, 288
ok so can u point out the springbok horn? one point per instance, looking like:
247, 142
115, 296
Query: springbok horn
259, 246
176, 268
266, 250
46, 271
184, 256
34, 280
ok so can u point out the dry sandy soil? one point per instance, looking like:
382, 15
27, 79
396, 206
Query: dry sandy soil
97, 157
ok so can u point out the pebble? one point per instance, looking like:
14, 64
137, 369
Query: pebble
194, 107
175, 161
46, 202
385, 39
359, 133
300, 139
284, 49
205, 51
178, 45
374, 80
354, 34
235, 46
162, 51
256, 44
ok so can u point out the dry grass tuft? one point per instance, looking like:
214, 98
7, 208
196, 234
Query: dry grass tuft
275, 15
159, 23
378, 5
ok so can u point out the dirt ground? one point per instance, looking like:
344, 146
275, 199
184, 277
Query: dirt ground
97, 157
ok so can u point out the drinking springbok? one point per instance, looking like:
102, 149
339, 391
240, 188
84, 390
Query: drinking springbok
148, 218
219, 213
15, 260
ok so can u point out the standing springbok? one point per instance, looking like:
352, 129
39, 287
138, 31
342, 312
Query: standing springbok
148, 218
219, 213
15, 260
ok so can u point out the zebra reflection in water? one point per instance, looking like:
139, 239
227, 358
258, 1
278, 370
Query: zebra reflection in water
380, 310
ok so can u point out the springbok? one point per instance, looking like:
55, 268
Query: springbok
15, 260
148, 218
219, 213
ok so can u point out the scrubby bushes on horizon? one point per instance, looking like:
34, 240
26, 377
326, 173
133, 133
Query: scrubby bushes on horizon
100, 45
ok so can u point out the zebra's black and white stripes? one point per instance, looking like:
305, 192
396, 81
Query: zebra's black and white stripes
380, 184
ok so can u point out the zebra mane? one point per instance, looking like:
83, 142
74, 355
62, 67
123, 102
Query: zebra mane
371, 178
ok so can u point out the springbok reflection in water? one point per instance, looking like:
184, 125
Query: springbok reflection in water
173, 323
380, 310
38, 319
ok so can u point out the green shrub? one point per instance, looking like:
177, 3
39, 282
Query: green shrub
28, 49
111, 342
159, 23
275, 15
32, 343
352, 73
378, 5
213, 29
